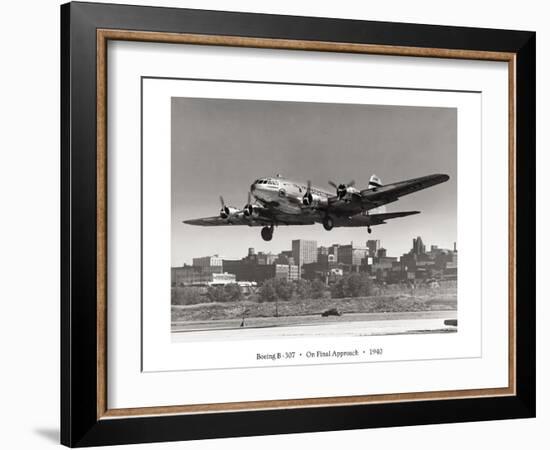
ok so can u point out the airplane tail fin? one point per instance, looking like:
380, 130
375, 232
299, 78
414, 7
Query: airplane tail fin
375, 182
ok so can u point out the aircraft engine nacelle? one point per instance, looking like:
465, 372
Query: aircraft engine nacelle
347, 192
228, 211
251, 211
314, 200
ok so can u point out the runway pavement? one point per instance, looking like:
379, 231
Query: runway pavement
350, 325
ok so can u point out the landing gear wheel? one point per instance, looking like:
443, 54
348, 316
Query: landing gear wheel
267, 233
369, 230
328, 223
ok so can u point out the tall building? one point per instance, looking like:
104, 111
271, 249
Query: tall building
352, 255
373, 245
418, 246
304, 252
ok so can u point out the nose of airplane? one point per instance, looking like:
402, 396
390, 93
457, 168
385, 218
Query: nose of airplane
252, 187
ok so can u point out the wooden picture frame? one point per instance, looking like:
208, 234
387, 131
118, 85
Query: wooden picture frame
86, 418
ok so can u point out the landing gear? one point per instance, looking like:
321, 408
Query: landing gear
369, 230
328, 223
267, 233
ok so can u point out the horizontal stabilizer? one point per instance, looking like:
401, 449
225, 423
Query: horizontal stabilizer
362, 220
378, 219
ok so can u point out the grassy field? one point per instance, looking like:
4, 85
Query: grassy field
385, 300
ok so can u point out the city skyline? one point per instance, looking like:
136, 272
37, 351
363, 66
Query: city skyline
413, 248
220, 146
282, 247
307, 261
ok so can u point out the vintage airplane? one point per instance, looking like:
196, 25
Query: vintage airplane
279, 201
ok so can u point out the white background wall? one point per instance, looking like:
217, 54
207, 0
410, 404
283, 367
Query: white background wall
29, 224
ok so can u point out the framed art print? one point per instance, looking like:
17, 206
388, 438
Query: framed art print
276, 224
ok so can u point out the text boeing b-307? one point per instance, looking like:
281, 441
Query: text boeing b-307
279, 201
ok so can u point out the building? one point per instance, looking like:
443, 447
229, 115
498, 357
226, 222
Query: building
327, 260
333, 250
266, 258
352, 255
304, 252
288, 271
194, 275
418, 246
293, 272
383, 263
221, 279
386, 268
284, 258
245, 270
373, 245
208, 261
313, 271
322, 270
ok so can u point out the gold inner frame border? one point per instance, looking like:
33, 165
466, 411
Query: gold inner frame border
104, 35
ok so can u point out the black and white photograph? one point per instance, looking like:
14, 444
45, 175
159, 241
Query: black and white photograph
310, 219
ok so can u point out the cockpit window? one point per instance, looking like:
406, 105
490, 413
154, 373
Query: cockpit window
269, 181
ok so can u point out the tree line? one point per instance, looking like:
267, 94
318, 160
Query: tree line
277, 289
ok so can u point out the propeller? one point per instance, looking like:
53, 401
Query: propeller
224, 211
308, 197
248, 208
341, 189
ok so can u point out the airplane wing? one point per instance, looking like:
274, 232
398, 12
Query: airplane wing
362, 220
266, 218
217, 221
377, 196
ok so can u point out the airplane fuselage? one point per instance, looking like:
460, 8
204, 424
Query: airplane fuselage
285, 194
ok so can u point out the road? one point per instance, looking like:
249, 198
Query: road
351, 325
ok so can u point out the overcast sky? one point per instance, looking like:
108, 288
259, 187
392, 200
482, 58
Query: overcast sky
220, 146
